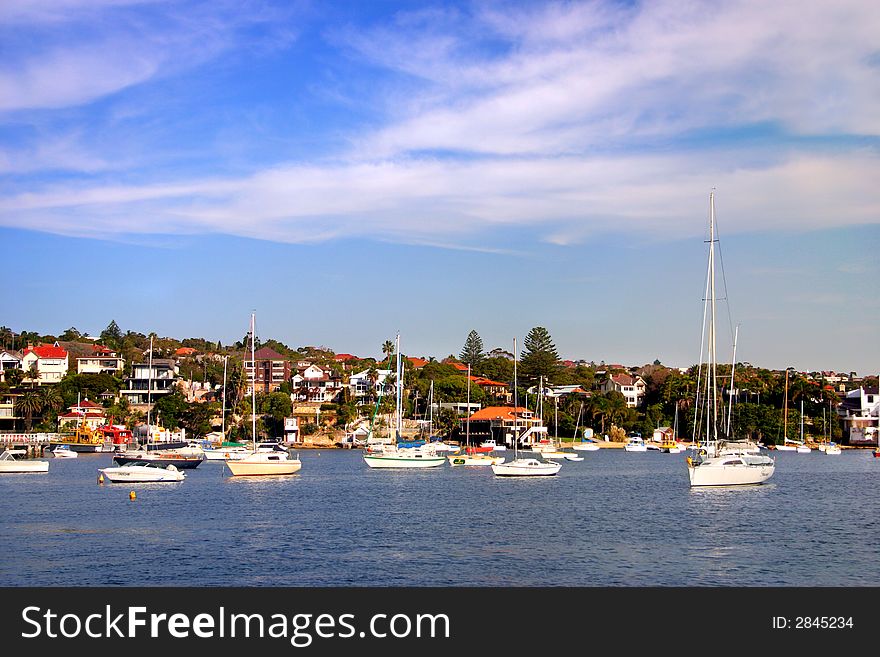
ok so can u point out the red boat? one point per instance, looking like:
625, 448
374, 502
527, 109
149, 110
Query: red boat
118, 435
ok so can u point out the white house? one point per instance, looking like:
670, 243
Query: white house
50, 362
9, 360
860, 413
361, 386
145, 386
103, 360
313, 383
631, 387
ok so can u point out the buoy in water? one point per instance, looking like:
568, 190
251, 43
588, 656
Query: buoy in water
101, 478
132, 495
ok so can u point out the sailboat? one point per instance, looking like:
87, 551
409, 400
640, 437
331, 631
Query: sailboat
225, 451
787, 444
802, 446
716, 463
587, 443
523, 467
469, 457
261, 462
400, 454
438, 445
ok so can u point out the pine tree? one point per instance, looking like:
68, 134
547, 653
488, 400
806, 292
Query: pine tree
472, 352
112, 335
539, 357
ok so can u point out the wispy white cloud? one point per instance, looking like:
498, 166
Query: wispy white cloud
566, 119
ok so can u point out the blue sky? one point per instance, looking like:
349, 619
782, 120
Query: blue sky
350, 169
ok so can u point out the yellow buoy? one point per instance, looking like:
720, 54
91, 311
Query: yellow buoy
101, 478
132, 495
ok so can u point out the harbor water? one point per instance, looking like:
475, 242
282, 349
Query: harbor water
615, 519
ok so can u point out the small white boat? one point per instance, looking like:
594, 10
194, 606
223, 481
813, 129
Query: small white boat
10, 464
803, 449
63, 452
635, 445
264, 463
573, 457
495, 447
832, 449
405, 457
526, 468
219, 454
786, 448
142, 472
587, 447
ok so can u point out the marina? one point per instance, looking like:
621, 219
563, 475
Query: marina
615, 519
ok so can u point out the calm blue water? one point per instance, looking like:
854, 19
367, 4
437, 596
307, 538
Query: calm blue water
614, 519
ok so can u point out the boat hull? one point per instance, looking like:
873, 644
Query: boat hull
589, 447
141, 475
244, 468
475, 459
82, 448
390, 460
729, 475
179, 462
526, 468
20, 467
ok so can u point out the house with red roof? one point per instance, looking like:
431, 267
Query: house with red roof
86, 412
631, 387
49, 361
417, 362
502, 423
268, 369
494, 389
184, 351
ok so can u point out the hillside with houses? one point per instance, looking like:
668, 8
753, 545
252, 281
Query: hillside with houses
315, 395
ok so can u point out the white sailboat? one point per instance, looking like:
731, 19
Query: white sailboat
395, 455
523, 467
716, 463
469, 457
261, 463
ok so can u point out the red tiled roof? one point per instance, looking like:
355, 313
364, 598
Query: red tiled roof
480, 381
86, 404
461, 367
46, 351
82, 415
623, 380
498, 413
266, 353
185, 351
341, 357
417, 362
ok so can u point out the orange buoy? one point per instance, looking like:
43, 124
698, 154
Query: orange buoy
132, 495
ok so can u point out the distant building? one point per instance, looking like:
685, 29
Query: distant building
317, 384
102, 361
86, 413
144, 386
9, 360
633, 388
501, 423
271, 370
362, 387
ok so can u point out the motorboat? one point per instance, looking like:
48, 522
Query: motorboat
492, 446
526, 467
141, 472
10, 464
180, 460
729, 468
226, 453
264, 463
63, 452
635, 444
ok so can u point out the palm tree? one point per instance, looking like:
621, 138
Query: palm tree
33, 374
28, 404
388, 349
50, 400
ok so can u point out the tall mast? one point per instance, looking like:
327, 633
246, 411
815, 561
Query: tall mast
785, 409
253, 384
515, 401
713, 366
468, 421
730, 396
223, 419
149, 388
398, 421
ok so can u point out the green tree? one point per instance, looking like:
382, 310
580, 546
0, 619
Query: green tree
14, 376
70, 335
112, 335
28, 404
472, 351
539, 357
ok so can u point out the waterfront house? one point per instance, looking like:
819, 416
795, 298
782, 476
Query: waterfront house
49, 361
317, 384
145, 386
363, 388
102, 360
86, 413
860, 414
271, 370
631, 387
9, 360
495, 390
499, 424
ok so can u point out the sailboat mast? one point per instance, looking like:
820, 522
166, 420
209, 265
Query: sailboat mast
515, 402
730, 395
785, 409
467, 433
149, 388
713, 363
253, 383
223, 416
398, 420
